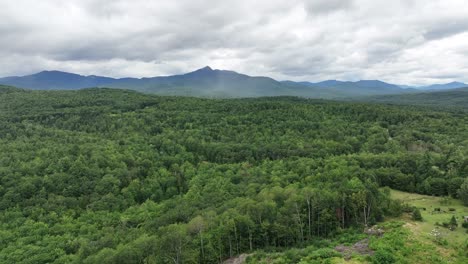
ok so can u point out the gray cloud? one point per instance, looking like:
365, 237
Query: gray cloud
447, 28
415, 42
327, 6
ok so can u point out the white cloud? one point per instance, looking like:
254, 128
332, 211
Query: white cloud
405, 41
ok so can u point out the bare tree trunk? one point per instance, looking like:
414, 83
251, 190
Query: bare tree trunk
368, 210
343, 206
318, 223
301, 230
250, 239
365, 216
202, 248
237, 241
230, 247
309, 218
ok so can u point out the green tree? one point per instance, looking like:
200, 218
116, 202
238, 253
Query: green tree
416, 215
463, 192
453, 223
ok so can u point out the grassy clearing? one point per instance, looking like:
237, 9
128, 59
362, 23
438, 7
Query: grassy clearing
430, 217
454, 246
405, 241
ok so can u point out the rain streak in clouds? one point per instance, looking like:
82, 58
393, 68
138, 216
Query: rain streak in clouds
407, 42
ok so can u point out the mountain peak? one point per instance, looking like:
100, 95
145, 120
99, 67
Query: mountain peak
206, 68
455, 83
51, 71
55, 73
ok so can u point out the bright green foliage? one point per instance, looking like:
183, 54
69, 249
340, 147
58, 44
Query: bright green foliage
398, 245
112, 176
383, 256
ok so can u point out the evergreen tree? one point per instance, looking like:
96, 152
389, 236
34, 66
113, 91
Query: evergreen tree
453, 223
417, 215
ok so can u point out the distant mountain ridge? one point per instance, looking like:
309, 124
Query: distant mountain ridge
207, 82
452, 98
55, 80
451, 85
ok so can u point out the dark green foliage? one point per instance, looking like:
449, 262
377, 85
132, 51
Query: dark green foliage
416, 215
455, 98
463, 192
114, 176
453, 223
453, 185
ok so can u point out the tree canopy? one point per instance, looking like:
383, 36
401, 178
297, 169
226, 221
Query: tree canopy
115, 176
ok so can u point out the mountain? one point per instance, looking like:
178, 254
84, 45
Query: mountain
454, 98
55, 80
323, 84
343, 89
207, 82
369, 87
451, 85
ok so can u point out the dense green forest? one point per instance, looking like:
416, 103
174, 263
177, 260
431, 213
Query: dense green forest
115, 176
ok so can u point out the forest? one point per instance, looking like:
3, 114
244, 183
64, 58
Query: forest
116, 176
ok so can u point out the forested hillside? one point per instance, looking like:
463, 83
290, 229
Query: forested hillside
454, 99
115, 176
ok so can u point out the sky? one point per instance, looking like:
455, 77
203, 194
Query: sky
413, 42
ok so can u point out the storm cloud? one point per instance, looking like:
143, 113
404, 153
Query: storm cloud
407, 41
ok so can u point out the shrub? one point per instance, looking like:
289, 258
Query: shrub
407, 208
453, 223
383, 256
324, 253
417, 215
465, 224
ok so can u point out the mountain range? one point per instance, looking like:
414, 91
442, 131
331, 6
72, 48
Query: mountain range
207, 82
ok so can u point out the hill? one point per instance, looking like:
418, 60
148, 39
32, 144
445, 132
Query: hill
116, 176
9, 89
456, 98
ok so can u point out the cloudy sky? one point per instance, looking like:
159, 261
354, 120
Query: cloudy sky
405, 42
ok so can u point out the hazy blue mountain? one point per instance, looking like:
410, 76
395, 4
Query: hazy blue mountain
328, 83
55, 80
208, 82
342, 89
323, 84
451, 85
366, 87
